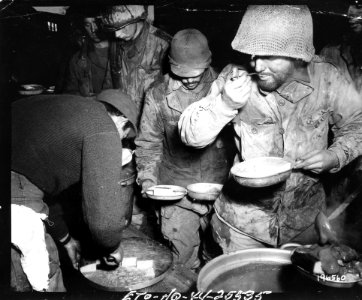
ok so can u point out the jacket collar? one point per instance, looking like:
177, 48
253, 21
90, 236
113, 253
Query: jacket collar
298, 87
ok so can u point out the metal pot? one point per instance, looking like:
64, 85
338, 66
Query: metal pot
260, 269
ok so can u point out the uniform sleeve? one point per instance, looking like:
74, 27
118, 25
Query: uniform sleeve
104, 209
201, 122
149, 143
346, 121
157, 65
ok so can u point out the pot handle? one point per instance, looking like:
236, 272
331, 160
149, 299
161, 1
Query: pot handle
290, 246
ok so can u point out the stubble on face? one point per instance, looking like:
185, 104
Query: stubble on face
277, 72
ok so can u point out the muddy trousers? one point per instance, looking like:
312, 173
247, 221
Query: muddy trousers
24, 192
181, 227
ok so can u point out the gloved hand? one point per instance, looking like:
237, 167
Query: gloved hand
237, 88
115, 258
73, 249
317, 161
145, 186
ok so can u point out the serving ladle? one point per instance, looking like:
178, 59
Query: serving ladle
325, 230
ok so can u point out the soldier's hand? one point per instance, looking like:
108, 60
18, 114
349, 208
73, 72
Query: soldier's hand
73, 249
317, 161
200, 208
115, 258
237, 88
145, 186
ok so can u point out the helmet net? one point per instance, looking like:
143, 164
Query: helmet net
276, 30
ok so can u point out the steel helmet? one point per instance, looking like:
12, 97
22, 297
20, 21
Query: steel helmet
116, 17
189, 53
276, 30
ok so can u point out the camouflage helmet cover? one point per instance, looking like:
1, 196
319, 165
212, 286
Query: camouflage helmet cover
118, 16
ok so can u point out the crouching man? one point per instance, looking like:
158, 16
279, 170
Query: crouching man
58, 141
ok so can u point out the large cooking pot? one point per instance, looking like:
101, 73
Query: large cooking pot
259, 269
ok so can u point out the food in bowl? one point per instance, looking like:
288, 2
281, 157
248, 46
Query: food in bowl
204, 191
261, 167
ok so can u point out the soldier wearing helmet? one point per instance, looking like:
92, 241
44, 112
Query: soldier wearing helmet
137, 52
284, 109
89, 70
163, 159
137, 49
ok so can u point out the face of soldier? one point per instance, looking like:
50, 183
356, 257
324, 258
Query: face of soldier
91, 28
129, 32
272, 71
355, 19
191, 83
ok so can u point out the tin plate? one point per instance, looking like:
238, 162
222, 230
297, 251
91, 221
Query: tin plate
166, 192
31, 89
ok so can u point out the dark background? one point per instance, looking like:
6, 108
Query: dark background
30, 53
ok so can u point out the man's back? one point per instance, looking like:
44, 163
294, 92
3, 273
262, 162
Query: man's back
48, 135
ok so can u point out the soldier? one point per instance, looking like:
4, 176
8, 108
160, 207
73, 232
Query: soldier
89, 68
57, 142
347, 56
136, 54
285, 110
163, 159
137, 51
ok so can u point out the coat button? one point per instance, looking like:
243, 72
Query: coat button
281, 130
281, 102
253, 130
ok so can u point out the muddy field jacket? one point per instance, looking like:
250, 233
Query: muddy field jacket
289, 122
161, 156
87, 74
341, 56
135, 66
